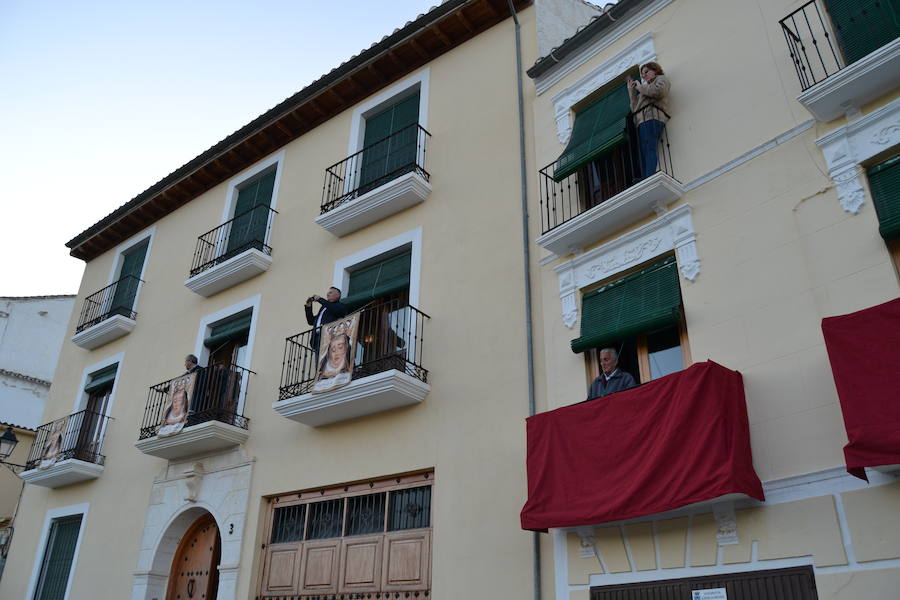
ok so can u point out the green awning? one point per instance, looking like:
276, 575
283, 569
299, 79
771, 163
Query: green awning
234, 328
598, 129
640, 303
104, 378
884, 181
379, 280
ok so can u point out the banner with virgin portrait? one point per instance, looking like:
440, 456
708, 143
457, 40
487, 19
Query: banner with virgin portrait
178, 402
53, 446
337, 351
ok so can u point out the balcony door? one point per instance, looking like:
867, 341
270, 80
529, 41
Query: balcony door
195, 567
129, 277
389, 143
227, 344
251, 215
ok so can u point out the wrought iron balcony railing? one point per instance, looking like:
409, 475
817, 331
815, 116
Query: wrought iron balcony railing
114, 299
607, 176
375, 165
245, 231
78, 436
216, 393
821, 43
390, 336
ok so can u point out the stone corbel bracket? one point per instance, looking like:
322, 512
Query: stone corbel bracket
638, 52
846, 147
727, 532
193, 477
588, 548
672, 230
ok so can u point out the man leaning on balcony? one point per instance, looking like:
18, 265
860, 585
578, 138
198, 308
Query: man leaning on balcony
611, 379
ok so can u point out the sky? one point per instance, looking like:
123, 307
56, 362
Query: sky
99, 100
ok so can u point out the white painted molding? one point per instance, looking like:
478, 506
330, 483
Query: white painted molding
848, 146
673, 230
365, 396
605, 39
194, 440
64, 472
233, 271
104, 332
638, 52
373, 206
650, 195
870, 77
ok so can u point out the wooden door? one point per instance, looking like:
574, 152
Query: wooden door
195, 572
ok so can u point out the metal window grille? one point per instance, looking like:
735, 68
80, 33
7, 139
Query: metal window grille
410, 509
287, 524
326, 519
365, 514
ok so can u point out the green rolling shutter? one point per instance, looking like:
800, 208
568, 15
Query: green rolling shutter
248, 229
382, 158
104, 378
884, 181
863, 26
233, 328
598, 129
640, 303
58, 556
132, 264
379, 280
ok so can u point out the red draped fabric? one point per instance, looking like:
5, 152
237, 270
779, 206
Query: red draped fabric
675, 441
864, 351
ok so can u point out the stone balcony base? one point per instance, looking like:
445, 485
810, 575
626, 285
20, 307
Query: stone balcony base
104, 332
194, 440
65, 472
233, 271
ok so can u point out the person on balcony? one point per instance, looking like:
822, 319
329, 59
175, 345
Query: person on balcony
611, 379
332, 310
650, 105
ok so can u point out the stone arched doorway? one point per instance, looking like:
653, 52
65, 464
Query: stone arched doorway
194, 574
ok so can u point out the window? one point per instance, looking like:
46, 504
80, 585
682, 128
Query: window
863, 26
251, 214
56, 564
93, 418
228, 338
639, 315
126, 285
379, 531
884, 183
390, 143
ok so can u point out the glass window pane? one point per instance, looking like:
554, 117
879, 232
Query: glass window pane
410, 509
365, 514
287, 524
326, 519
664, 349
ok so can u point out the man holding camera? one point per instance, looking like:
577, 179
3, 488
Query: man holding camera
331, 310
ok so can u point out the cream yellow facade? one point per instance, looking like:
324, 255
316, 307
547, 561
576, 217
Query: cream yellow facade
774, 247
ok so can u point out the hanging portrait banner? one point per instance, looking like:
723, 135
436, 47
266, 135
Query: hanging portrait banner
337, 351
54, 444
175, 414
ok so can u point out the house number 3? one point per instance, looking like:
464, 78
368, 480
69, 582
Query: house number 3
230, 528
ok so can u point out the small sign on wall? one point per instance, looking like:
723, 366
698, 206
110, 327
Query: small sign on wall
711, 594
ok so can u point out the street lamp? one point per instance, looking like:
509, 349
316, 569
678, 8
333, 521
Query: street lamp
8, 443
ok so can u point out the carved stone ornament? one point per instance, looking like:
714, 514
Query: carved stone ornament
638, 52
846, 147
727, 533
588, 547
193, 477
673, 230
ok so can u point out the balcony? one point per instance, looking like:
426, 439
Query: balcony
844, 57
677, 441
108, 314
378, 181
387, 369
67, 450
607, 194
196, 413
232, 252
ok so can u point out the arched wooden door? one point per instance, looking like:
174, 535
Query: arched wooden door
195, 573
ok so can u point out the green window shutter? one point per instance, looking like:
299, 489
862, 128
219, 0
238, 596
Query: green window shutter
379, 280
383, 159
598, 129
132, 265
248, 229
58, 557
233, 328
640, 303
863, 26
884, 181
102, 379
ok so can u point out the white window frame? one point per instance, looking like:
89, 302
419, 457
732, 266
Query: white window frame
231, 194
411, 238
206, 323
81, 397
417, 81
57, 513
115, 270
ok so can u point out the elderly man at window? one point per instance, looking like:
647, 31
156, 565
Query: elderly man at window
611, 378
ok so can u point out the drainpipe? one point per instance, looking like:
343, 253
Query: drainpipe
526, 255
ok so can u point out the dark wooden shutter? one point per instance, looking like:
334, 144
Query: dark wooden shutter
863, 26
58, 556
129, 277
797, 583
640, 303
248, 229
390, 142
884, 181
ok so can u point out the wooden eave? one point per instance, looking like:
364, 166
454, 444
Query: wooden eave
409, 48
